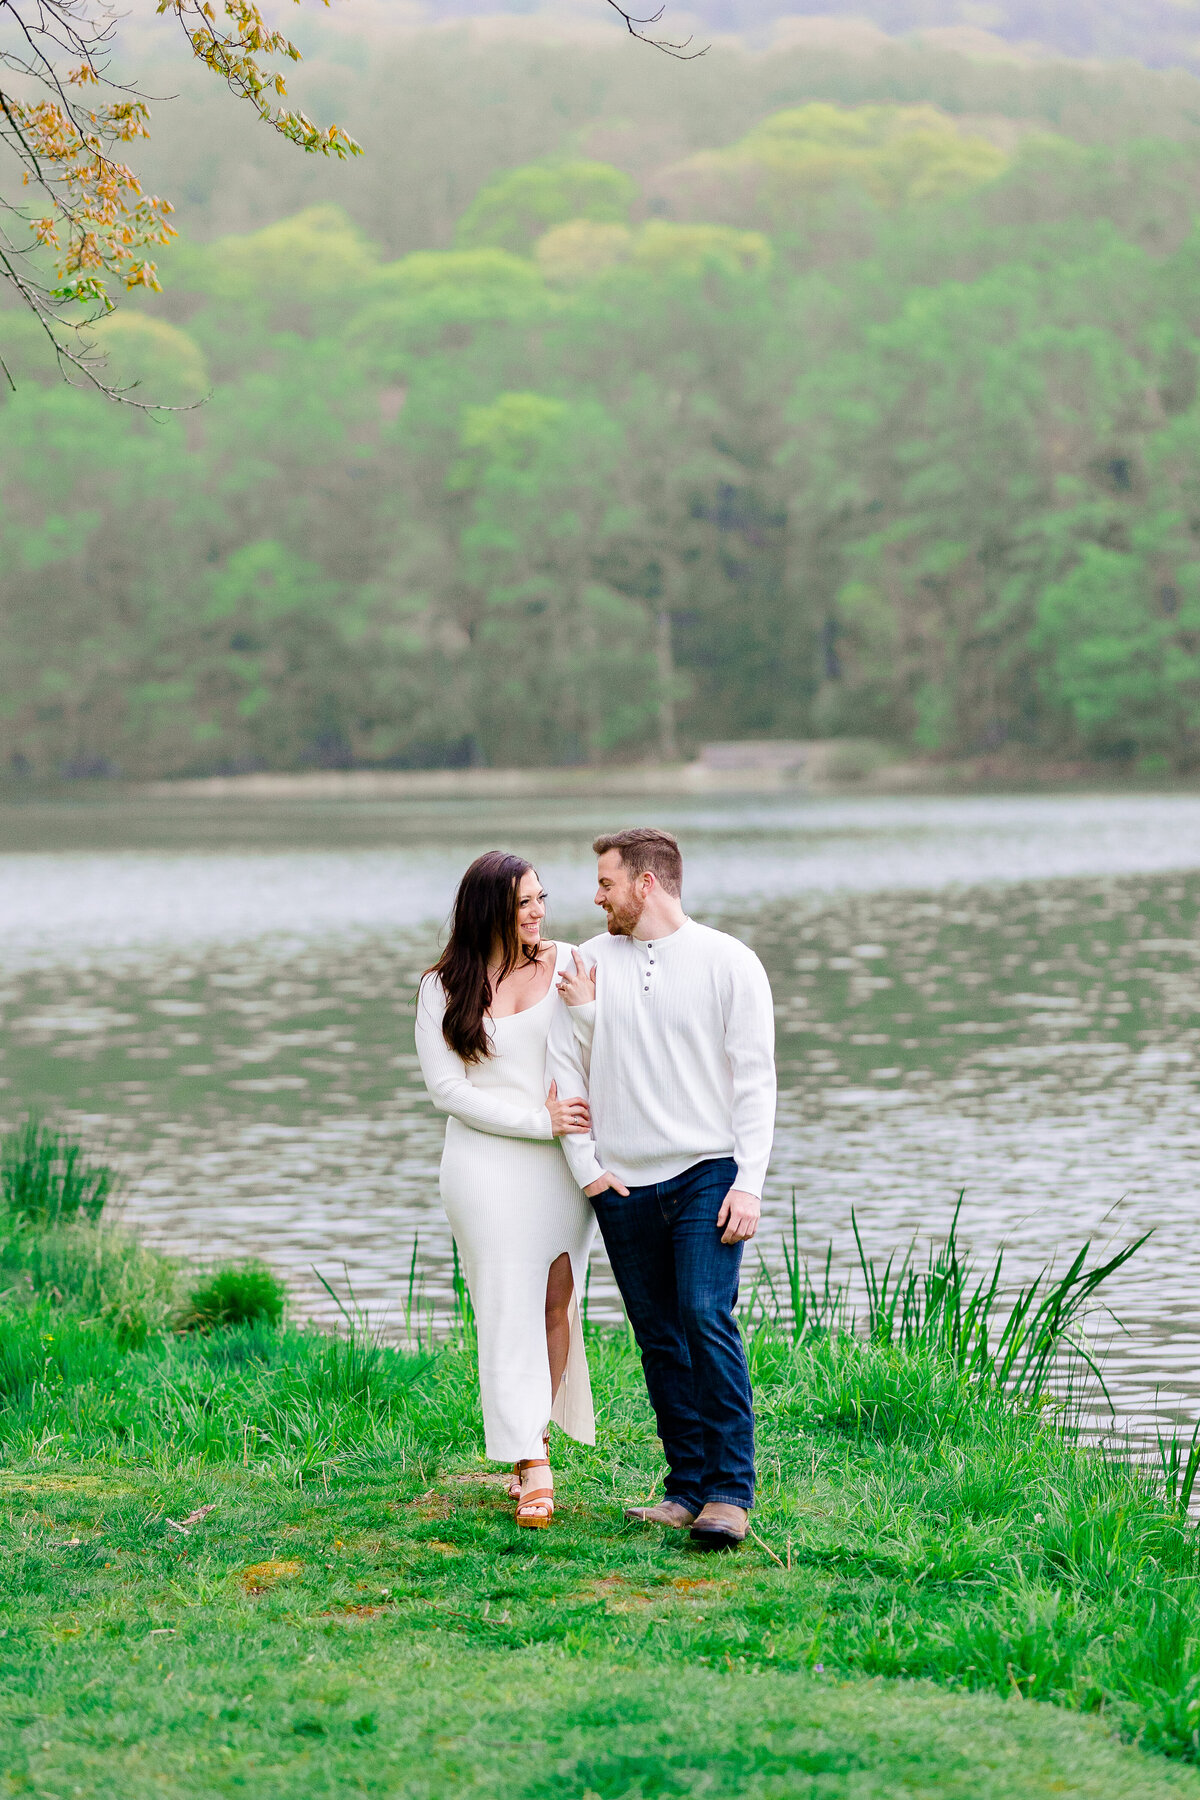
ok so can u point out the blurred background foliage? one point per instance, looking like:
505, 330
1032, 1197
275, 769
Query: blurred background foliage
844, 387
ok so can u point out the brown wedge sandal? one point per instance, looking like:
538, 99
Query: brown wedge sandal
540, 1498
514, 1485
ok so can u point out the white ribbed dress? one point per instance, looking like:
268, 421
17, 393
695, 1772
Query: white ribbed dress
514, 1207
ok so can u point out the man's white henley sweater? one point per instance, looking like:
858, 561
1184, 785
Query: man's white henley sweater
676, 1055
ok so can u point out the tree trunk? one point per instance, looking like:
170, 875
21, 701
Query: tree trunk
668, 740
674, 581
587, 707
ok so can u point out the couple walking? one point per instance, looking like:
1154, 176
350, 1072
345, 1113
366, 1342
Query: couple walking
630, 1082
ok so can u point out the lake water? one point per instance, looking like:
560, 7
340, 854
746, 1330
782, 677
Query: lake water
994, 994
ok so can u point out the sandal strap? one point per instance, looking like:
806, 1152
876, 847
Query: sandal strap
532, 1462
540, 1497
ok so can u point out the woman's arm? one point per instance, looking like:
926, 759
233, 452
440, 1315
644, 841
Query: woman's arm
446, 1078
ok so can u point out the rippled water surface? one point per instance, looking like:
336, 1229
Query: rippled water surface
996, 994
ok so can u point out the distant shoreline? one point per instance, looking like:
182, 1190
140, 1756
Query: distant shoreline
475, 784
828, 768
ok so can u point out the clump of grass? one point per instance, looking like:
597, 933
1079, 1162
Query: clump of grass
42, 1351
1029, 1345
1179, 1460
48, 1178
357, 1368
55, 1245
1018, 1343
235, 1294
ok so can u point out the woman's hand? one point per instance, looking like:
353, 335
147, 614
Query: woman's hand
578, 986
567, 1116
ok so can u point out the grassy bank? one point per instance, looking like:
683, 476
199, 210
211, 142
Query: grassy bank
248, 1558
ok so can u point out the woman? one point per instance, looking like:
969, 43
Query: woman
522, 1226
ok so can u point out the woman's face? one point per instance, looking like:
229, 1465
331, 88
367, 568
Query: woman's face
531, 908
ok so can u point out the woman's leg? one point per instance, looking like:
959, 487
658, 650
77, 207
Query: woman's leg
559, 1289
560, 1286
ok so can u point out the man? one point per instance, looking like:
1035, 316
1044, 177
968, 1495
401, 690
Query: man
669, 1030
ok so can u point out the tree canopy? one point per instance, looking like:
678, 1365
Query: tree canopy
869, 418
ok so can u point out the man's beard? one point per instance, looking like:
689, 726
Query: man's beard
623, 920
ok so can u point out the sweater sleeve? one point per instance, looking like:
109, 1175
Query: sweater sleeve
583, 1017
446, 1078
567, 1064
583, 1024
750, 1049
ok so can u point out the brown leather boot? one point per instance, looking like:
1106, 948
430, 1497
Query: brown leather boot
719, 1526
668, 1512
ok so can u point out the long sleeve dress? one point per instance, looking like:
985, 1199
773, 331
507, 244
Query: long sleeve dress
514, 1207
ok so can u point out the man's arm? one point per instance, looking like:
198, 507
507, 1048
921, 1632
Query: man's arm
750, 1049
565, 1065
577, 986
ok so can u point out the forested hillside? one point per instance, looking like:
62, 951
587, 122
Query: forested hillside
1157, 33
600, 413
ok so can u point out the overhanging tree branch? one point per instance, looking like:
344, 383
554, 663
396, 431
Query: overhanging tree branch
86, 225
636, 27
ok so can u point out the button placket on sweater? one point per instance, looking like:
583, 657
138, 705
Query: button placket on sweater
649, 970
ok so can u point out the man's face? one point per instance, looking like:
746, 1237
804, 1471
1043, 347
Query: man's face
620, 894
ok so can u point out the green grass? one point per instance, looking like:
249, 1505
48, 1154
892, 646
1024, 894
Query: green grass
46, 1177
238, 1294
267, 1561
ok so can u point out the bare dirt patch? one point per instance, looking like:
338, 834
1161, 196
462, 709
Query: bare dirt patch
259, 1578
351, 1615
617, 1594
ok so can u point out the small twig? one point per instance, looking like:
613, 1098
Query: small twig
193, 1518
634, 24
768, 1549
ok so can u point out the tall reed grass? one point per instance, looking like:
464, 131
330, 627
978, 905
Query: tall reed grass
48, 1178
1029, 1343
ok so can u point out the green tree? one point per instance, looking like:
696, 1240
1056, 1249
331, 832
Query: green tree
795, 168
1122, 645
512, 211
564, 664
948, 455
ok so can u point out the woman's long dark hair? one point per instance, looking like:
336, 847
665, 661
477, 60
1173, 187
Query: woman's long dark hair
485, 910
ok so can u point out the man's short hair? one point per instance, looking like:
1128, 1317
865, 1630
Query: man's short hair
646, 850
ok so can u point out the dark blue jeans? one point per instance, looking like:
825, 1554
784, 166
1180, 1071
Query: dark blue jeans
679, 1283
